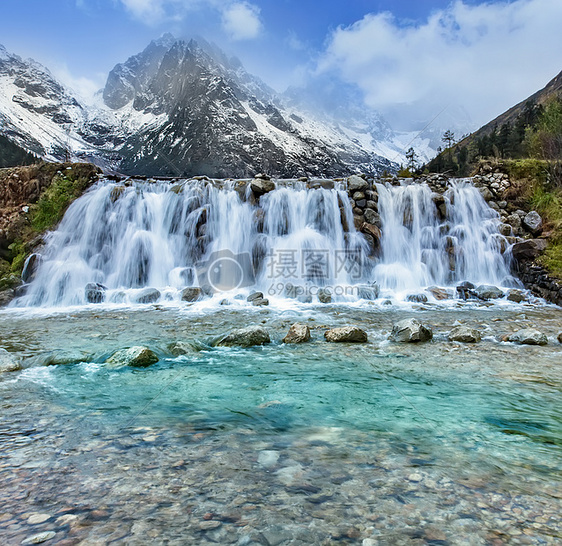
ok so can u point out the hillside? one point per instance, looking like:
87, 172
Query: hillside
11, 154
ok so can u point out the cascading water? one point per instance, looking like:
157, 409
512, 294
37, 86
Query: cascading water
426, 244
216, 235
164, 236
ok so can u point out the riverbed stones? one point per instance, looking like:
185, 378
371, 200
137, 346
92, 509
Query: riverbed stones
488, 292
147, 295
245, 337
257, 299
298, 333
533, 222
39, 538
464, 334
94, 292
346, 334
528, 336
416, 298
137, 357
411, 331
8, 362
191, 294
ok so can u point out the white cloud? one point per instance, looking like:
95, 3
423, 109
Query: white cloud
86, 88
147, 10
241, 21
485, 57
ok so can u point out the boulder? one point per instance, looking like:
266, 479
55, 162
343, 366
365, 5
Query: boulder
298, 333
191, 293
505, 230
528, 250
138, 357
516, 295
8, 362
533, 222
147, 295
488, 292
255, 296
349, 334
372, 230
486, 194
528, 336
260, 302
416, 298
411, 331
514, 220
324, 296
245, 337
94, 292
464, 334
357, 183
261, 186
181, 348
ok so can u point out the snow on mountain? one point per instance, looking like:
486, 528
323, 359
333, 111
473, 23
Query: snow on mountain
183, 108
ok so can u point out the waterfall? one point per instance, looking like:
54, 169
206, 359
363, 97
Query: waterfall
425, 242
292, 241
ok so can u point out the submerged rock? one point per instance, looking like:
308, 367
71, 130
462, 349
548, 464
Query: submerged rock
417, 298
324, 296
245, 337
488, 292
147, 295
94, 292
411, 331
191, 293
298, 333
349, 334
138, 357
464, 334
8, 362
528, 336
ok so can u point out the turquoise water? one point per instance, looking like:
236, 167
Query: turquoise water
311, 444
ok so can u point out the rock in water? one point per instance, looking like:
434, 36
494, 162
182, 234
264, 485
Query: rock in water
192, 293
528, 250
411, 331
147, 295
560, 337
528, 336
349, 334
260, 186
464, 334
298, 333
8, 362
368, 292
533, 222
488, 292
516, 295
324, 296
94, 292
417, 298
245, 337
138, 357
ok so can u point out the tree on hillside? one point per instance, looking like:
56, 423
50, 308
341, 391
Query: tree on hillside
411, 157
448, 138
544, 140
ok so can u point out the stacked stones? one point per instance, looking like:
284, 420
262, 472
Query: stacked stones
364, 201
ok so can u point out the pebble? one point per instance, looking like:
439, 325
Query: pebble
39, 538
208, 525
37, 518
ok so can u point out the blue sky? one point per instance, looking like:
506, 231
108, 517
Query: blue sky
485, 55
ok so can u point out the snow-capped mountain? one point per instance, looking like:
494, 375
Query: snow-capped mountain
184, 108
